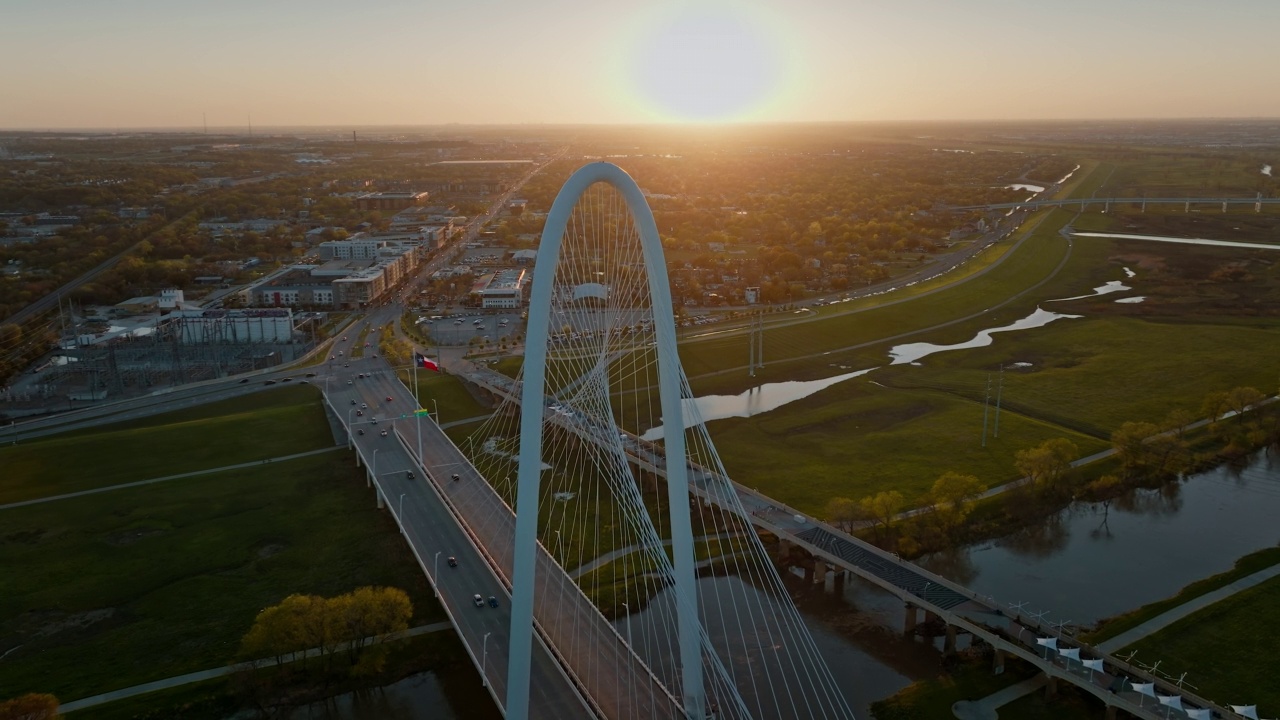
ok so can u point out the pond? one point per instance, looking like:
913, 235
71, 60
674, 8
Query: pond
759, 399
1094, 560
912, 352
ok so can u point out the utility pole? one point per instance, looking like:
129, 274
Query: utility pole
986, 405
755, 345
999, 392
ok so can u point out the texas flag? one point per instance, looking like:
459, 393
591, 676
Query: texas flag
423, 361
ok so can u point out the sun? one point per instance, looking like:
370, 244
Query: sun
705, 64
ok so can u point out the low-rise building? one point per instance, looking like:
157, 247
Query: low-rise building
393, 201
504, 289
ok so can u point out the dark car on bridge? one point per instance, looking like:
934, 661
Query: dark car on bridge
493, 601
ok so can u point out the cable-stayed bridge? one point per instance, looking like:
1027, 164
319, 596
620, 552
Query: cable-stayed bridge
628, 577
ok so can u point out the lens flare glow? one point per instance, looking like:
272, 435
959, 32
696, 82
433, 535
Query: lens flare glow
705, 64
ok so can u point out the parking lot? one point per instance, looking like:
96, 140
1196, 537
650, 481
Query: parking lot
460, 329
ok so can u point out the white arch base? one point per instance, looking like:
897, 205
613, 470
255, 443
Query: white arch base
530, 462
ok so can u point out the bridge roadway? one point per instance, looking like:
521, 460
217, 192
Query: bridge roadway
957, 606
1085, 202
467, 519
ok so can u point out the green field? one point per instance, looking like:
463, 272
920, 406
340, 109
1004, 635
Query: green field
145, 583
140, 584
257, 427
1227, 649
858, 438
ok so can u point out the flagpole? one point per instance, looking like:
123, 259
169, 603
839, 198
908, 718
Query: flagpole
417, 404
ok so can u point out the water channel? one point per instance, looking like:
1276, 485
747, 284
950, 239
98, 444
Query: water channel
1180, 241
1091, 561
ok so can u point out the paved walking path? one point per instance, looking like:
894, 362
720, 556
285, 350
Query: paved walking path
211, 674
1165, 619
152, 481
987, 707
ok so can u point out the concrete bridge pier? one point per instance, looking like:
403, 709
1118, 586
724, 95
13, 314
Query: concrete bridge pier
1050, 686
1107, 207
819, 572
1224, 206
1111, 712
381, 503
949, 643
997, 662
910, 621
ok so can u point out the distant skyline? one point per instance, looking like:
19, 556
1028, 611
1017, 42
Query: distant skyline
173, 63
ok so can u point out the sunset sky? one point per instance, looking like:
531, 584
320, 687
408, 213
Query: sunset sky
164, 63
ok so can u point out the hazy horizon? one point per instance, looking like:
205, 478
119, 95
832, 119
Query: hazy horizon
153, 65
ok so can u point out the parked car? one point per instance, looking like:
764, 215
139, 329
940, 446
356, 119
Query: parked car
477, 600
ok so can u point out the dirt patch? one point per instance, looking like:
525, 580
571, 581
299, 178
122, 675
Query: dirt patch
47, 623
267, 551
1138, 260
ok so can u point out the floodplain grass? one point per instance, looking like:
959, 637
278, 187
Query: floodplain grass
857, 438
148, 583
282, 424
1094, 374
1227, 649
1245, 566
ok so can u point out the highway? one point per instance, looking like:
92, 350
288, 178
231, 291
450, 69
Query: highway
434, 535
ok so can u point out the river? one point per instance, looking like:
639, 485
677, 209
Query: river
1089, 562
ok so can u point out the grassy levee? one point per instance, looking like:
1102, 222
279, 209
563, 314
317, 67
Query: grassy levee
1032, 263
1227, 649
165, 445
1245, 566
114, 590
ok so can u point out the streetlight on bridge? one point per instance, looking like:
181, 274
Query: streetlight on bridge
484, 661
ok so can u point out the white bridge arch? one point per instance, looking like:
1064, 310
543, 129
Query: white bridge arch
809, 690
531, 432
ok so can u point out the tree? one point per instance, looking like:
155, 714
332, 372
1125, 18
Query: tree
1240, 400
1130, 444
842, 512
1046, 463
1215, 405
883, 507
952, 496
32, 706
